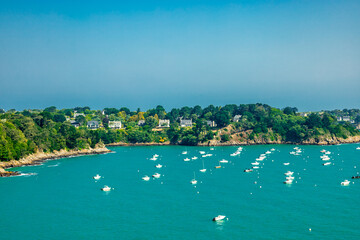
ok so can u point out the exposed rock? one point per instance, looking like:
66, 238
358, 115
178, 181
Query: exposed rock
37, 158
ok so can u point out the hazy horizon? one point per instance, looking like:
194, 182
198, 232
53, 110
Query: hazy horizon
148, 53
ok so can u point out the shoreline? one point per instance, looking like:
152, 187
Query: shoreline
39, 157
214, 143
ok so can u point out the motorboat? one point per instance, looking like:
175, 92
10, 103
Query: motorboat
106, 188
156, 155
289, 173
184, 152
327, 152
248, 170
194, 158
224, 161
290, 178
201, 152
327, 163
158, 166
186, 159
255, 167
323, 151
153, 158
211, 149
260, 158
219, 218
286, 163
156, 175
293, 153
267, 152
345, 183
273, 149
145, 178
97, 177
358, 148
325, 158
255, 163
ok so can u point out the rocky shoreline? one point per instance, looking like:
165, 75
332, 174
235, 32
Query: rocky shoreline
324, 141
39, 157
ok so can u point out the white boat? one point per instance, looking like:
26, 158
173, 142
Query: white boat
290, 178
219, 218
201, 152
240, 149
156, 175
288, 181
323, 151
293, 153
255, 163
255, 167
203, 169
224, 161
286, 163
327, 152
193, 181
153, 159
97, 177
158, 166
260, 158
289, 173
358, 148
345, 183
186, 159
155, 155
106, 188
194, 158
248, 170
184, 152
273, 149
145, 178
327, 163
325, 158
211, 149
267, 152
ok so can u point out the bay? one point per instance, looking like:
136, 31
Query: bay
62, 200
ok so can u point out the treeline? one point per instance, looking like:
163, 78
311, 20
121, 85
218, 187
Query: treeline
23, 133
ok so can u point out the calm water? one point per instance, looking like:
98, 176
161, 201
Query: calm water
62, 201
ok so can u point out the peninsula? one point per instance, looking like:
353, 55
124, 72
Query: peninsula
29, 136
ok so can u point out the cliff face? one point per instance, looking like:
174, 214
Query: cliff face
38, 157
242, 138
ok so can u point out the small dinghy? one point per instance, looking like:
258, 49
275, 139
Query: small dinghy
97, 177
106, 188
146, 178
219, 218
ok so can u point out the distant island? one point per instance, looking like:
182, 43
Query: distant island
53, 132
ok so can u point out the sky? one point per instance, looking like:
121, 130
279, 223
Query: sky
304, 54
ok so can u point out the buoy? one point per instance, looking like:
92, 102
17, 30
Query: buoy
310, 229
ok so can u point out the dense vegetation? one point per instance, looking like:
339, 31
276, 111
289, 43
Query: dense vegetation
23, 133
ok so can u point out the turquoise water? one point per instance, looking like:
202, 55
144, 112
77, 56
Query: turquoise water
62, 201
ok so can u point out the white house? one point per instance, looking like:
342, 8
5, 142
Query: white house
236, 118
164, 123
339, 119
93, 125
141, 122
78, 114
115, 124
75, 124
211, 123
346, 118
185, 123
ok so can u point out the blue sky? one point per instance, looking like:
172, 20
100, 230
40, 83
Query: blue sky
145, 53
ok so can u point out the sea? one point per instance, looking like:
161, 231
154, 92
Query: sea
60, 199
